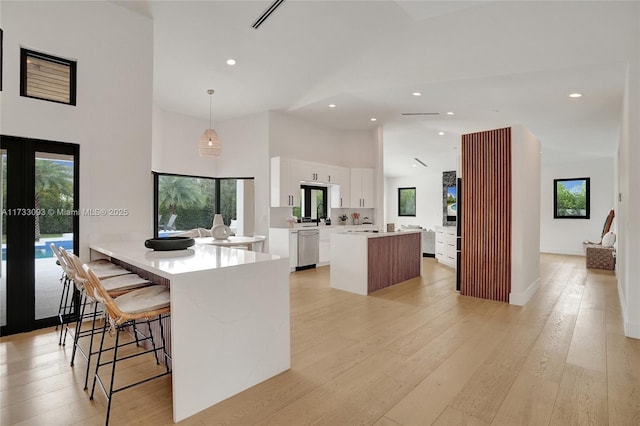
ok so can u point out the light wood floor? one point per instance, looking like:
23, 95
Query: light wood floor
414, 354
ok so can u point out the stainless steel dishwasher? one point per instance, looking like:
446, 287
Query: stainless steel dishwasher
308, 248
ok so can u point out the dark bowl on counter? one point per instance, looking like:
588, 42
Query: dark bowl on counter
169, 243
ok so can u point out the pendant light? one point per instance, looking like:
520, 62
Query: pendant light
210, 145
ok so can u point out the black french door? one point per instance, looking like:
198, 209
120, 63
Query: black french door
39, 206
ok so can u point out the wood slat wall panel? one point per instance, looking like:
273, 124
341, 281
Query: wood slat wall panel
485, 259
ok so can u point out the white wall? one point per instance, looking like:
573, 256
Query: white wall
565, 236
525, 219
245, 152
628, 267
112, 119
247, 145
175, 144
291, 137
428, 199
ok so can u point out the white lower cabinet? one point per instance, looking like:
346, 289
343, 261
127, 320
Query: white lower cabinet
325, 240
284, 243
446, 245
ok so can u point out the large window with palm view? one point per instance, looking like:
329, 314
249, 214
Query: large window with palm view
185, 203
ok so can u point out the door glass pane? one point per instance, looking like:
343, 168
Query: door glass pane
3, 270
53, 224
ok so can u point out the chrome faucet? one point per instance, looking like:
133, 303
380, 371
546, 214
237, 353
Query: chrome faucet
318, 213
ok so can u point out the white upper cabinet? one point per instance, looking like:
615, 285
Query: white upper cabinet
336, 174
285, 183
349, 188
362, 188
309, 171
313, 172
341, 187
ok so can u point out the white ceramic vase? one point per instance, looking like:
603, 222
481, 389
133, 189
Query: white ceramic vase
217, 220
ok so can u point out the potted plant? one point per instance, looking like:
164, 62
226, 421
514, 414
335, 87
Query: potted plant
342, 219
356, 218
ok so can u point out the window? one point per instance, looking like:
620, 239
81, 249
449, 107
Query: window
183, 202
407, 201
46, 77
571, 198
313, 201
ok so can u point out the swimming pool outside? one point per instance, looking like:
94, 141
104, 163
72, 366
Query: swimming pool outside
42, 248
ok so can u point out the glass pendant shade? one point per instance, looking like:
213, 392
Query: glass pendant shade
210, 145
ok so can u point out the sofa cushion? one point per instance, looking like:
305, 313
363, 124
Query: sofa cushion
609, 239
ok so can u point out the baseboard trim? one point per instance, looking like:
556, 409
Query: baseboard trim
522, 298
562, 251
631, 329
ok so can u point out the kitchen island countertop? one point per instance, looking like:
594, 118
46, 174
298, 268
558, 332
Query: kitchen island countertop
230, 325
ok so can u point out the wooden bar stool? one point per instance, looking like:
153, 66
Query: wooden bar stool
115, 286
146, 305
105, 269
64, 308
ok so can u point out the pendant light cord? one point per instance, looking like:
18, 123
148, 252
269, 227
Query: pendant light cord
210, 101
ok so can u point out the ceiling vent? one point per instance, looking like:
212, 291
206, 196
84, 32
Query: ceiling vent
267, 13
420, 113
419, 161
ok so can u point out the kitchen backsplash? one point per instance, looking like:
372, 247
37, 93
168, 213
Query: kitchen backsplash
280, 215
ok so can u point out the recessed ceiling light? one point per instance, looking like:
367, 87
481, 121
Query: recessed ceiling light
332, 105
441, 133
449, 113
417, 94
373, 119
231, 61
414, 165
575, 95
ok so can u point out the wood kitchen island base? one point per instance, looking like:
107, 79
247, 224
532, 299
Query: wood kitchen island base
363, 262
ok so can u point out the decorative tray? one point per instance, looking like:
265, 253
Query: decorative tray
169, 243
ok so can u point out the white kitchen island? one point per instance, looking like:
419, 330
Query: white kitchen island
229, 317
363, 262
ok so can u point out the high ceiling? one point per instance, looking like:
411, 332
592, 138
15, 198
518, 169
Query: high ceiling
493, 64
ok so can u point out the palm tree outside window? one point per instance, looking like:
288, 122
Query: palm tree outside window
190, 202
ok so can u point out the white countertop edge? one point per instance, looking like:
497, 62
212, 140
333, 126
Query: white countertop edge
168, 264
